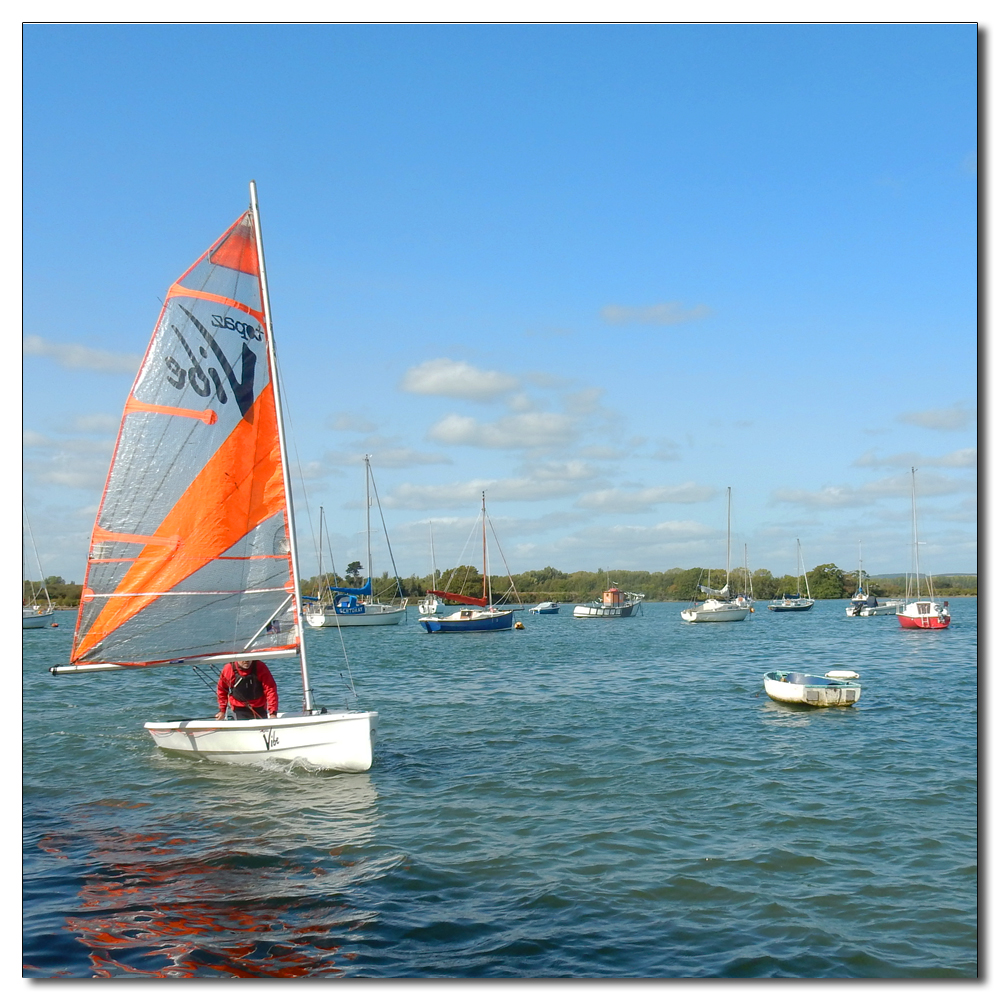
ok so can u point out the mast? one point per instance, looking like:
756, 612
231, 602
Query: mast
307, 705
729, 507
802, 569
916, 543
319, 582
485, 574
368, 519
38, 563
430, 525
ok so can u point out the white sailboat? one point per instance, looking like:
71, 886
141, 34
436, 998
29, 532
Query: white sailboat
864, 604
719, 606
745, 599
795, 602
429, 604
351, 606
193, 556
34, 614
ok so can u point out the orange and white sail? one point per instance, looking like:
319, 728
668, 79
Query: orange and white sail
190, 557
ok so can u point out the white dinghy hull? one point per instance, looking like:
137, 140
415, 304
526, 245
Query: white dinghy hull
792, 688
335, 741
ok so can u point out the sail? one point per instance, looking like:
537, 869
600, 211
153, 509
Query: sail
190, 554
714, 593
479, 602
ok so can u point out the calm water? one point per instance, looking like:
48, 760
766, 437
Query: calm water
578, 799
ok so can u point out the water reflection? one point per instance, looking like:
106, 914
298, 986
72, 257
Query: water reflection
259, 889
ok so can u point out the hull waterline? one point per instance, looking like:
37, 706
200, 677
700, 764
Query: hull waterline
369, 616
336, 741
475, 621
41, 620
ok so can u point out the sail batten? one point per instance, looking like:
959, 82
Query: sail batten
196, 482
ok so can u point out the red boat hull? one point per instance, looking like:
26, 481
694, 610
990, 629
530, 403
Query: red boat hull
924, 621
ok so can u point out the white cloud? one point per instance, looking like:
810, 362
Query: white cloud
666, 450
952, 418
964, 458
634, 501
522, 430
929, 484
96, 423
546, 481
343, 421
653, 547
77, 356
387, 458
456, 379
661, 314
584, 402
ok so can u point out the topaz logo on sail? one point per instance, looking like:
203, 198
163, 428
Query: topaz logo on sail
245, 330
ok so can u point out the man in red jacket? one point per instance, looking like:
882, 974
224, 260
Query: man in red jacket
247, 687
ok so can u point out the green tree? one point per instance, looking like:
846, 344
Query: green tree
826, 582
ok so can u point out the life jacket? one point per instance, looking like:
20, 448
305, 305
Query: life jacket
246, 688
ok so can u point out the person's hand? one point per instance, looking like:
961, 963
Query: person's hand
221, 715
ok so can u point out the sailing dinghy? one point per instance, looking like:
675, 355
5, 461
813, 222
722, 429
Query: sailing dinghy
193, 557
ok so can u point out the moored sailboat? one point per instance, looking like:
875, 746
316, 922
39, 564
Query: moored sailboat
483, 615
351, 606
864, 604
719, 605
795, 602
193, 556
428, 603
918, 611
33, 613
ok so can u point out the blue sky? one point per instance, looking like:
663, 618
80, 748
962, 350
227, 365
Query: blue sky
601, 272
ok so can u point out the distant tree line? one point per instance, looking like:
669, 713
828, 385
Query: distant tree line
826, 582
61, 593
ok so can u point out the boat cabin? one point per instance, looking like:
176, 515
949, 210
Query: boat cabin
612, 597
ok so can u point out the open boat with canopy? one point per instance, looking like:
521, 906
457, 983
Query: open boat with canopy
193, 557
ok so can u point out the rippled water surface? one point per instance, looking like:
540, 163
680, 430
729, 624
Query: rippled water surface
577, 799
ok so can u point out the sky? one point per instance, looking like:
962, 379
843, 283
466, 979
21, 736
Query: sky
602, 272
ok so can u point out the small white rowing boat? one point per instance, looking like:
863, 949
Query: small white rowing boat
835, 687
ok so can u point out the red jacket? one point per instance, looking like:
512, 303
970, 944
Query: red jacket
229, 677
